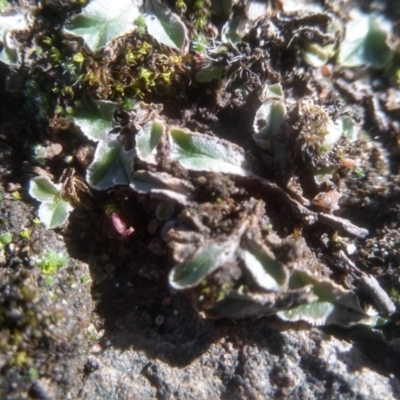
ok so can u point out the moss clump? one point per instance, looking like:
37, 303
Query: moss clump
5, 239
51, 262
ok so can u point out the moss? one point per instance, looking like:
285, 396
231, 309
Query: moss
17, 196
26, 233
359, 172
5, 238
33, 374
21, 359
51, 262
85, 278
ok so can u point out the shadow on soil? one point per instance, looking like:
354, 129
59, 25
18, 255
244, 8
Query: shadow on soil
137, 308
134, 302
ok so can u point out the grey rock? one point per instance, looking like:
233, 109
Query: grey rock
247, 360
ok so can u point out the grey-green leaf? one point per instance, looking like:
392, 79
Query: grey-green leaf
366, 43
10, 22
43, 189
236, 305
326, 313
315, 55
266, 272
95, 118
54, 214
239, 305
271, 92
235, 29
205, 260
199, 152
269, 119
112, 165
147, 140
162, 186
165, 26
349, 128
326, 290
323, 174
103, 20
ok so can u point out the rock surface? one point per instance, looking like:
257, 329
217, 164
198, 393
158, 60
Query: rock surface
248, 360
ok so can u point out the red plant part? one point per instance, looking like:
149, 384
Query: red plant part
120, 225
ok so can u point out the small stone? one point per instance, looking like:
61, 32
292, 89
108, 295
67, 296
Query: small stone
78, 304
85, 155
42, 390
13, 187
50, 151
159, 320
327, 200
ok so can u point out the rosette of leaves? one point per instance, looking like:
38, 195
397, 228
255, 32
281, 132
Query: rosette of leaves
232, 272
111, 166
53, 210
218, 250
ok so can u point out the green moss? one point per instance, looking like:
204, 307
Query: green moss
51, 262
25, 234
21, 359
140, 23
359, 172
5, 238
36, 221
85, 278
180, 6
394, 294
17, 196
33, 374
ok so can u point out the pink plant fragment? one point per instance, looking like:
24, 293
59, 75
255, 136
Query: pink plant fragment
120, 225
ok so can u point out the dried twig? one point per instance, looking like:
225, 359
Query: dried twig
369, 285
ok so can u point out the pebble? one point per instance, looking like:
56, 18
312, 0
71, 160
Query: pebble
159, 320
